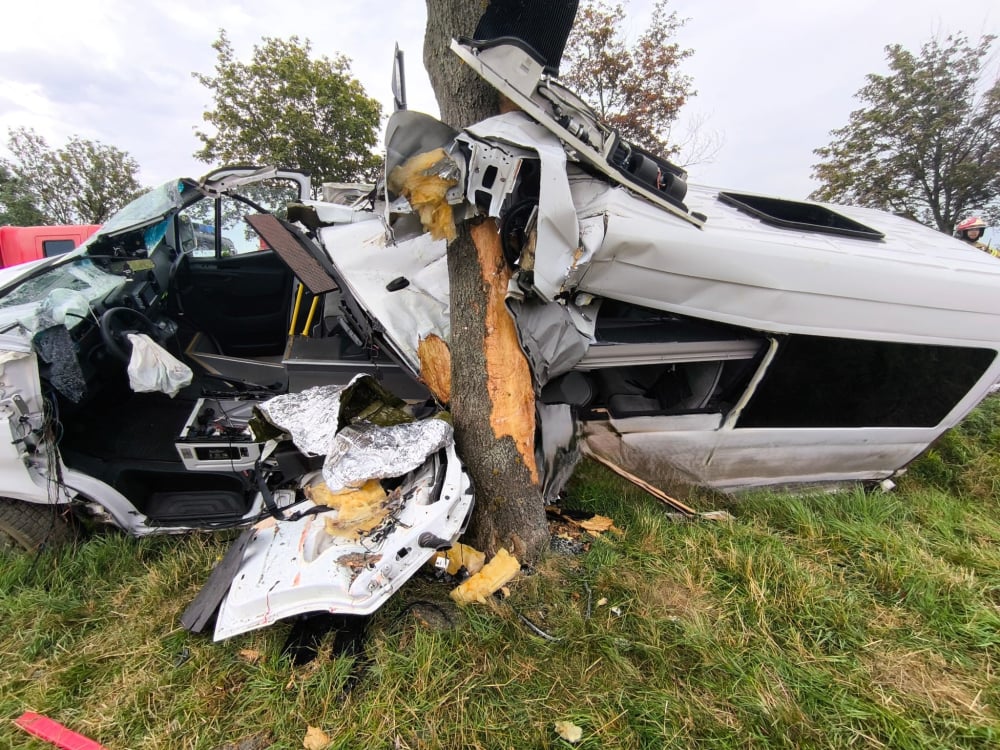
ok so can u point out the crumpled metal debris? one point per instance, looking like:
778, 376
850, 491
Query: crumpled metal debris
364, 451
313, 416
310, 417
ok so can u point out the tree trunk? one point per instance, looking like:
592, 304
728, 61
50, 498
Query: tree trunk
492, 395
462, 96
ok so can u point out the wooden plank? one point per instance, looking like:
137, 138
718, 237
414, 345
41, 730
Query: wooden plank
659, 494
201, 611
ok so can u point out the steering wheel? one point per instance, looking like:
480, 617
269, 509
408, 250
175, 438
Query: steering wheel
114, 331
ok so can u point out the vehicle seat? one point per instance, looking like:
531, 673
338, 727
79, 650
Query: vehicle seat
180, 235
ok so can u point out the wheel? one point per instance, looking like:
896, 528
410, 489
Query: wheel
28, 526
114, 331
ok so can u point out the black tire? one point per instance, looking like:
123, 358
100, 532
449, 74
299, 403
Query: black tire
28, 526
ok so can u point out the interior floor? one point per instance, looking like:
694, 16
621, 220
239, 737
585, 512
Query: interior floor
127, 440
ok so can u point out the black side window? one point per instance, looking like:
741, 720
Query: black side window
57, 247
826, 382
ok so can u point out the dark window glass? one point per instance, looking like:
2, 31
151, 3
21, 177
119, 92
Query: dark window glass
807, 217
57, 247
827, 382
625, 323
654, 390
694, 366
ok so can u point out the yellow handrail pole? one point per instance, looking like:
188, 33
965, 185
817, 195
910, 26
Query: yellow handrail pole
312, 312
295, 310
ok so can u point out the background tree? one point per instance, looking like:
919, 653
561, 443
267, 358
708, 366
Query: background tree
926, 142
635, 86
82, 183
509, 509
285, 109
16, 205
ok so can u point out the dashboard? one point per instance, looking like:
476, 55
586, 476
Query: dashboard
59, 307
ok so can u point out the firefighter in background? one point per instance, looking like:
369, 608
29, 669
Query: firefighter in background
971, 231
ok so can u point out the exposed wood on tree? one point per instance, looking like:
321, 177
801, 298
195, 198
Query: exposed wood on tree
435, 367
509, 511
508, 377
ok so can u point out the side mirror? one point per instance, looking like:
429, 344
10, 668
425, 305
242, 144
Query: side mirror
398, 81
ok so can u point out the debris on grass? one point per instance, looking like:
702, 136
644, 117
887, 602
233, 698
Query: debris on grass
55, 733
566, 524
598, 525
316, 739
569, 731
182, 657
495, 574
458, 557
249, 655
571, 532
535, 629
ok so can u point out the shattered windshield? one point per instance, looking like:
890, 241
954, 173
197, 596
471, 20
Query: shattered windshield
149, 207
62, 294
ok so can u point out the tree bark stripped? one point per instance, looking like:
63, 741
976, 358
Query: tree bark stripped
492, 394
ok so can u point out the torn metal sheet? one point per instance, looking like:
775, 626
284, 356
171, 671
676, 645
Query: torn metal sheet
409, 133
743, 272
294, 567
492, 173
370, 263
558, 230
364, 451
559, 446
689, 450
517, 75
550, 336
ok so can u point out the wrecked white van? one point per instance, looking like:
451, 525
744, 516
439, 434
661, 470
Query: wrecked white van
684, 335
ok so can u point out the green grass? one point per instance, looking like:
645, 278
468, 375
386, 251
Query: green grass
863, 619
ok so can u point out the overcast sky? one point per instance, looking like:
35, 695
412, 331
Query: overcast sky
773, 77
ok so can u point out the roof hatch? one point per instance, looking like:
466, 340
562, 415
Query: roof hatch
805, 217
